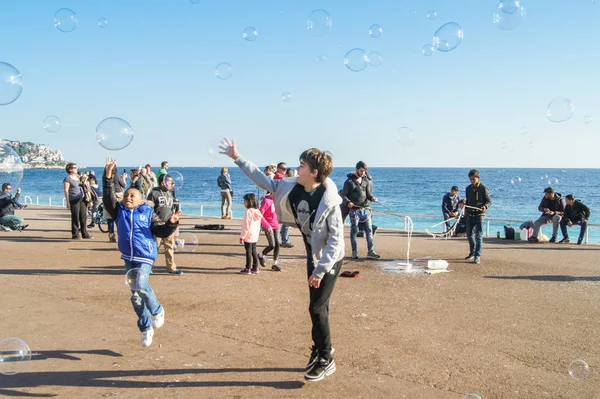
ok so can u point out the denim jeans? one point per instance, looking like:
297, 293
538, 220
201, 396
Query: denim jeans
354, 231
565, 233
285, 234
475, 234
448, 224
144, 301
11, 221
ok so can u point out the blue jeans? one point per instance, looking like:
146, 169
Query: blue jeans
11, 221
475, 234
354, 231
565, 233
285, 234
448, 224
144, 301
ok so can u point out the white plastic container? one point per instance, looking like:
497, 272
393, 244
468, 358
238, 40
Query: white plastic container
436, 264
524, 234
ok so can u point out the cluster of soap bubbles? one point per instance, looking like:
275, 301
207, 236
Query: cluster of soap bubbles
357, 59
11, 167
186, 242
550, 180
509, 14
14, 356
65, 20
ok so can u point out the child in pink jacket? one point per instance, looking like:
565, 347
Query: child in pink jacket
271, 227
250, 232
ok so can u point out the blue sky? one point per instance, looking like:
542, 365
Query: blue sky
153, 65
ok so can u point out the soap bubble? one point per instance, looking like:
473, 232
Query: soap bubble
65, 20
177, 179
213, 146
405, 136
375, 31
448, 37
427, 50
320, 59
11, 167
579, 370
587, 119
286, 97
52, 124
136, 279
375, 59
11, 83
509, 20
223, 70
530, 144
14, 356
114, 133
250, 34
472, 396
102, 22
319, 23
356, 60
516, 180
186, 242
560, 109
431, 14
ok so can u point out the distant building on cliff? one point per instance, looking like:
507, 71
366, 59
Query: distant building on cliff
36, 156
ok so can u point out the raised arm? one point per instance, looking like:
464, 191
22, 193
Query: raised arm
251, 170
108, 188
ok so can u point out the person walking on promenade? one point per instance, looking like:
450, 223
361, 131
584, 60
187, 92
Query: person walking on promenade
224, 183
552, 207
271, 226
75, 202
138, 226
250, 233
477, 201
575, 213
311, 202
161, 199
357, 195
450, 205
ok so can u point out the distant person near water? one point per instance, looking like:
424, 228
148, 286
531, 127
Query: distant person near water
164, 169
575, 213
450, 207
552, 207
357, 195
224, 183
477, 201
311, 202
74, 197
280, 171
8, 204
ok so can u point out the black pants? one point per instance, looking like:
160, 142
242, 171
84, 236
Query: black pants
78, 218
251, 256
273, 239
319, 306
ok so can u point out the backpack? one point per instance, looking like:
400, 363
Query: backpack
509, 232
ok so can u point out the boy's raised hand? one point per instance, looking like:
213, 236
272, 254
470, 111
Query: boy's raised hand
229, 148
175, 217
111, 163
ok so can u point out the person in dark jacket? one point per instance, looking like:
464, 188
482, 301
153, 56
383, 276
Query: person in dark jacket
224, 183
552, 207
357, 195
477, 201
164, 203
138, 225
575, 213
450, 205
8, 204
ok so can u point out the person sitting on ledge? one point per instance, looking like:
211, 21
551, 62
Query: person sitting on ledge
8, 203
552, 207
575, 213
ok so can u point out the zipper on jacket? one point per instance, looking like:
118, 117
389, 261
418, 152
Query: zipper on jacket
131, 235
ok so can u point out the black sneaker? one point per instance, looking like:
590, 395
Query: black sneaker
579, 241
553, 239
533, 239
261, 260
565, 240
176, 272
360, 234
22, 227
314, 355
469, 257
321, 369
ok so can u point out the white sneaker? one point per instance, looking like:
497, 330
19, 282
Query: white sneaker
147, 337
159, 319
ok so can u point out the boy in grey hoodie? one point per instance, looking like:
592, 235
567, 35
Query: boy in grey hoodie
311, 203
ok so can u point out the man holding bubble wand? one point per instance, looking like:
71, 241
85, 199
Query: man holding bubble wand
477, 201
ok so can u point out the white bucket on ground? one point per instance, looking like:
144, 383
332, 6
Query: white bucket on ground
437, 264
524, 234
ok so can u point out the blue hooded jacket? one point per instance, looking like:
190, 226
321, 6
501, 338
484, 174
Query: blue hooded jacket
136, 241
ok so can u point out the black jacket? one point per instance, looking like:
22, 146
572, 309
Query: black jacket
574, 213
359, 194
7, 204
478, 197
450, 204
556, 205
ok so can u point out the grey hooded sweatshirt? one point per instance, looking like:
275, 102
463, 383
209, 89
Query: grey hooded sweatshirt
327, 241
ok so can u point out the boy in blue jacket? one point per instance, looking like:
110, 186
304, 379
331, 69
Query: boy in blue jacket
138, 225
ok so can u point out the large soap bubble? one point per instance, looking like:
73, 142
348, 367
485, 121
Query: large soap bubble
448, 37
52, 124
509, 15
250, 34
103, 22
428, 50
405, 136
560, 109
177, 180
136, 279
356, 60
11, 84
319, 23
375, 31
114, 133
223, 71
65, 20
11, 167
14, 356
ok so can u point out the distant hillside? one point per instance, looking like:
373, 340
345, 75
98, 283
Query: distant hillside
36, 156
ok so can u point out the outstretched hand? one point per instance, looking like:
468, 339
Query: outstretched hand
175, 217
229, 148
111, 164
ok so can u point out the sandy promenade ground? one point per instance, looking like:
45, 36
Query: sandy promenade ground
508, 328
